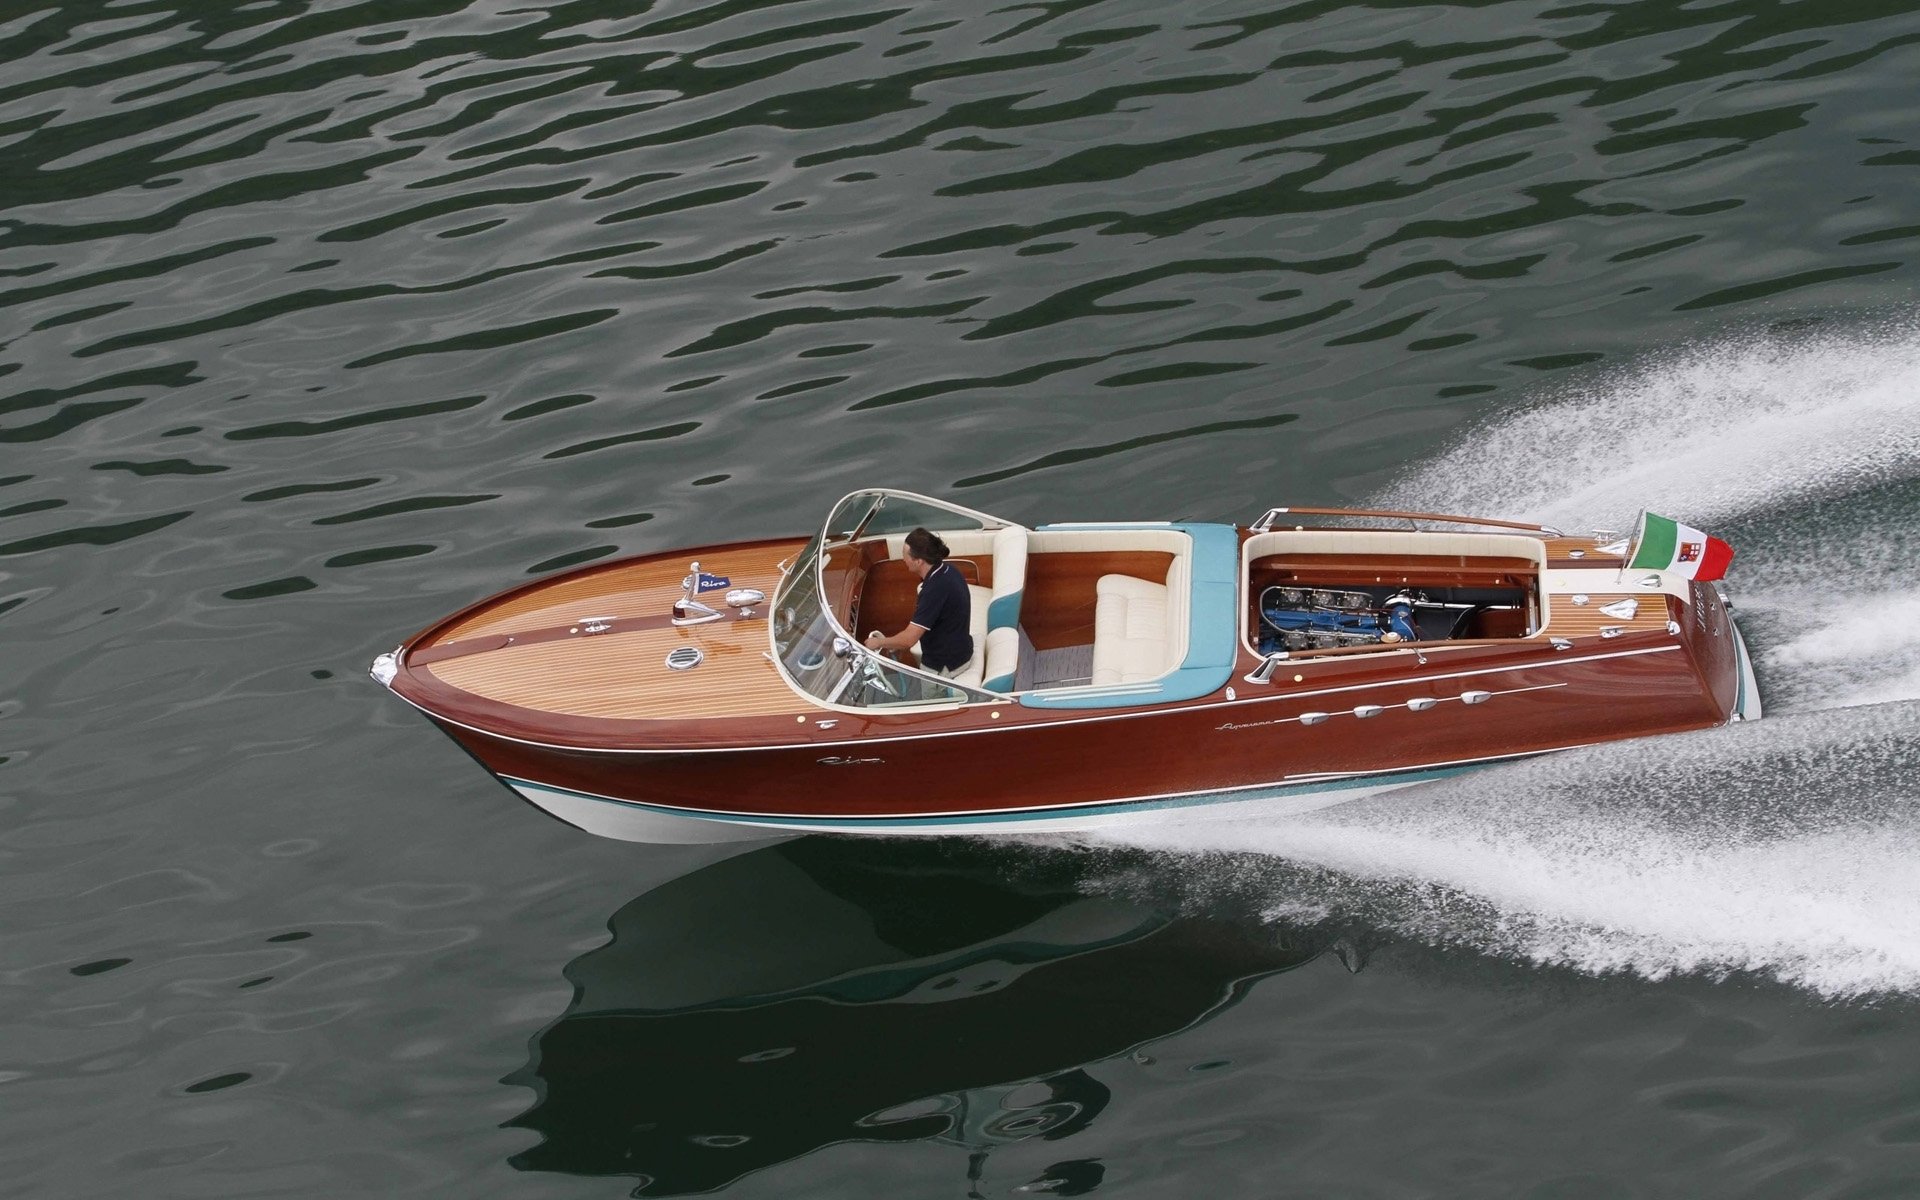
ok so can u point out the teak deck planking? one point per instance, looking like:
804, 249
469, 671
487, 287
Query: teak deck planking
1561, 553
1569, 620
640, 589
622, 675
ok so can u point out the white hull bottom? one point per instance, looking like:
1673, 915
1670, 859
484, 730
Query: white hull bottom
1746, 704
633, 822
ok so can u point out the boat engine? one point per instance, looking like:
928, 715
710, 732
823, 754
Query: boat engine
1295, 618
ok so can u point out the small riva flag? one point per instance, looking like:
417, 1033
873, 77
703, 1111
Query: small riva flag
1663, 545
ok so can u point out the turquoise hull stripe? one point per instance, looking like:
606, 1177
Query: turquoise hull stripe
1004, 612
999, 683
1212, 628
963, 820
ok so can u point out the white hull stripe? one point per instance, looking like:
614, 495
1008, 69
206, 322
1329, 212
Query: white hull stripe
1293, 785
1416, 681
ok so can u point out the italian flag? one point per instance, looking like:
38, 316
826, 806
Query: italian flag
1663, 545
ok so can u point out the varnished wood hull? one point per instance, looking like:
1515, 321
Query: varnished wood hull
738, 755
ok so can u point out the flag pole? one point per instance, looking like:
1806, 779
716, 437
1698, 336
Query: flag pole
1633, 548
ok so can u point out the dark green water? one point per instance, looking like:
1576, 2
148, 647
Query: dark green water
325, 318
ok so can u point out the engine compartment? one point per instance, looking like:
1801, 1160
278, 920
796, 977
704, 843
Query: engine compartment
1293, 617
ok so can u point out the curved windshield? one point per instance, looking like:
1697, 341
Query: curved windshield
816, 605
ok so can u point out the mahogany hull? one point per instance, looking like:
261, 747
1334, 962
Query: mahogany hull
1094, 767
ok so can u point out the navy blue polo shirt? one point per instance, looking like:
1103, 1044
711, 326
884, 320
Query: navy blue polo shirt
944, 611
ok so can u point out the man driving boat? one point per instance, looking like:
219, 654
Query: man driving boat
941, 616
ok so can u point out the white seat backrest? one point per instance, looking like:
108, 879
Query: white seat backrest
1003, 612
1009, 577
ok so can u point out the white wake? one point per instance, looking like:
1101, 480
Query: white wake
1714, 432
1788, 848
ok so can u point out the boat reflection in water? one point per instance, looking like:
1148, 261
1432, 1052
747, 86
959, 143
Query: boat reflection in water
824, 990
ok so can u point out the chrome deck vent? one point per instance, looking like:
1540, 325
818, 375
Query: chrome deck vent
684, 658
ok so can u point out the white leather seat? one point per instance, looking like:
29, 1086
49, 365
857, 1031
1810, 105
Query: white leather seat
1002, 645
1131, 630
974, 671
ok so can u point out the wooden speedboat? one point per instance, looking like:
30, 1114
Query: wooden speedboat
1120, 669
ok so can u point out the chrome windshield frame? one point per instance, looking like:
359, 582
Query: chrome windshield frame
816, 550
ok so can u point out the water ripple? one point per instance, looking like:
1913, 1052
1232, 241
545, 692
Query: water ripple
327, 318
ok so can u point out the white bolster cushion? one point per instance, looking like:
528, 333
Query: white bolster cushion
1003, 659
971, 674
1009, 578
1130, 632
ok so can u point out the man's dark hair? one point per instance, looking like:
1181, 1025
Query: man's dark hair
926, 547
